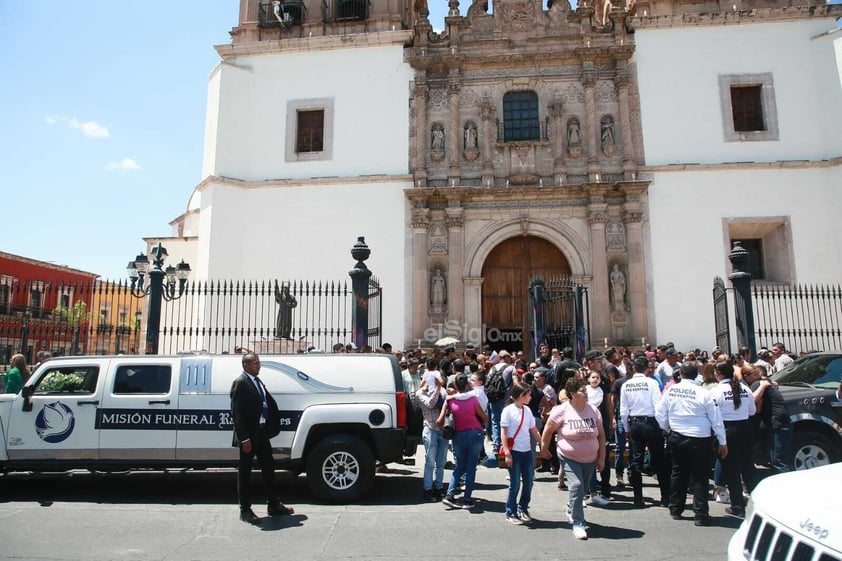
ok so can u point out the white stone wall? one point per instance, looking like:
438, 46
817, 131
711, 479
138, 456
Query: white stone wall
248, 99
681, 113
689, 243
305, 232
689, 206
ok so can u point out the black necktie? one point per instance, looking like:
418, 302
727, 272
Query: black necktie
265, 412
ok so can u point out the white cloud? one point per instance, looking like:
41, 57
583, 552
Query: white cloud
50, 120
125, 163
90, 129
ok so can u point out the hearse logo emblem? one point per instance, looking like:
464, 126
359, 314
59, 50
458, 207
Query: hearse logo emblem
54, 422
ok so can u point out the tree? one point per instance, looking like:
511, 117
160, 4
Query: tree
74, 317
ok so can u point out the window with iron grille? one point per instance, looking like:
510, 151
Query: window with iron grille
520, 116
309, 136
747, 107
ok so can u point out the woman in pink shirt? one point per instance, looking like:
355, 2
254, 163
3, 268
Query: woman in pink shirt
581, 447
469, 418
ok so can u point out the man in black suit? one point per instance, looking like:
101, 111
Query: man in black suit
251, 408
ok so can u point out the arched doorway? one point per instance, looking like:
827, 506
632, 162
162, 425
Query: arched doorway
506, 274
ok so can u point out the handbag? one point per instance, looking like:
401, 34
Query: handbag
501, 453
448, 429
273, 419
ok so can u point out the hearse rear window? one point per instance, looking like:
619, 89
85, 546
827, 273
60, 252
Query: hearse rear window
145, 379
74, 379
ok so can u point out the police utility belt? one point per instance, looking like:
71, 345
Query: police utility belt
641, 419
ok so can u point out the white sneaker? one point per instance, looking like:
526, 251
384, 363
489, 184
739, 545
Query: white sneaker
579, 532
722, 497
598, 500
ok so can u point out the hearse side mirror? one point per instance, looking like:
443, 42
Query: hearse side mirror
27, 392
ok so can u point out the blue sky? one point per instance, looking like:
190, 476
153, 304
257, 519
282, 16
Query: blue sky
102, 107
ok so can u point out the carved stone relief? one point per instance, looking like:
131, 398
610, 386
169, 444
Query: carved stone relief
437, 239
605, 92
574, 93
615, 236
438, 99
516, 16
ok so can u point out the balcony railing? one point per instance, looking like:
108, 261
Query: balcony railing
292, 12
345, 10
520, 131
25, 311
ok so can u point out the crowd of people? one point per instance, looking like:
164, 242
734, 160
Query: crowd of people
682, 416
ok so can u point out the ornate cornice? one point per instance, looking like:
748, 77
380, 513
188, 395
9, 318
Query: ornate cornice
760, 15
597, 218
317, 43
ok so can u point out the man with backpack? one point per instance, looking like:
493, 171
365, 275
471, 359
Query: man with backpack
498, 385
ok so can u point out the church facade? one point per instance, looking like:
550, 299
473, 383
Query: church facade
529, 141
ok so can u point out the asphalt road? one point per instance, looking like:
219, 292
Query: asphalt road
193, 515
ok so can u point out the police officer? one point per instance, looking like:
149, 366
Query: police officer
688, 412
639, 396
736, 404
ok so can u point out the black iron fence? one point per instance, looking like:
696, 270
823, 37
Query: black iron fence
720, 315
802, 317
268, 316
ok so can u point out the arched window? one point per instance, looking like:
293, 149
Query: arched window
520, 116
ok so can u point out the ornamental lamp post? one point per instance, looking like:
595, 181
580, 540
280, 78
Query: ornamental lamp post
156, 289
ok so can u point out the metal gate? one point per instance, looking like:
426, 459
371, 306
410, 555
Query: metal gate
720, 314
560, 314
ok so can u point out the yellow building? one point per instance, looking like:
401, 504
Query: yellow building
115, 320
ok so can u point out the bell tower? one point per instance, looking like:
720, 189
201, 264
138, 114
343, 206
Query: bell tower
265, 20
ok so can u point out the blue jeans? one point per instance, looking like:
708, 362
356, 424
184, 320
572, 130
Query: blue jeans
466, 447
619, 450
577, 475
496, 410
780, 448
435, 455
523, 468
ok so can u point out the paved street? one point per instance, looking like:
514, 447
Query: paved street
193, 515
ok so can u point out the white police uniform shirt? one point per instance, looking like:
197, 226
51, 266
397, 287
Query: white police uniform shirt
639, 396
690, 410
724, 398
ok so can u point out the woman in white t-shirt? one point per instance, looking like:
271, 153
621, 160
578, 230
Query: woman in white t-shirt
516, 426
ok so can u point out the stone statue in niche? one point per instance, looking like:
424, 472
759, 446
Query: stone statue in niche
438, 292
618, 289
615, 236
470, 136
606, 127
574, 138
470, 151
437, 142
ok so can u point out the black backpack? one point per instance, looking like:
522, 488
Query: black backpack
495, 386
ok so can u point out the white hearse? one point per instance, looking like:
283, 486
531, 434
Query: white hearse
339, 414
